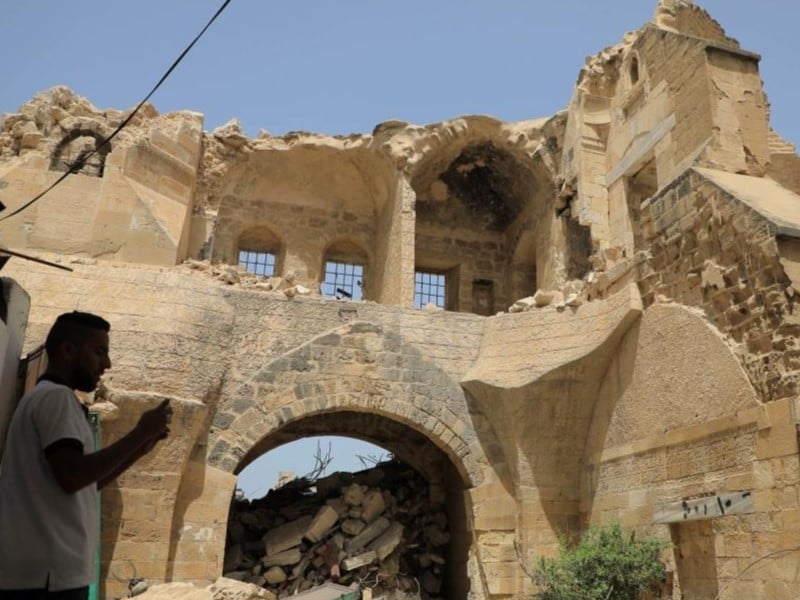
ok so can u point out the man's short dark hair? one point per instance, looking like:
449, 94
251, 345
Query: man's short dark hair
72, 327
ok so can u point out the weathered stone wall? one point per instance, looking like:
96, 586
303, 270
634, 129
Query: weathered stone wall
470, 256
712, 250
134, 202
393, 271
739, 113
298, 228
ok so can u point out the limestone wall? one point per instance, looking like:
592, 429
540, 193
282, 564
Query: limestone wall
131, 201
712, 250
693, 428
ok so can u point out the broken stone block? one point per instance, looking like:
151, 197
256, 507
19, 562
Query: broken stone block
339, 505
275, 575
353, 526
354, 562
229, 275
372, 506
30, 140
522, 305
385, 543
226, 589
354, 494
547, 297
256, 580
370, 532
286, 536
573, 300
282, 559
325, 518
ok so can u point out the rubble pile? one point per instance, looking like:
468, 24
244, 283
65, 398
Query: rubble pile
238, 275
376, 528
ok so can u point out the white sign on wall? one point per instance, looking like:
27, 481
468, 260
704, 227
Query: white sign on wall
732, 503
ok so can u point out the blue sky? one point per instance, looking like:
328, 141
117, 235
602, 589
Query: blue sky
344, 66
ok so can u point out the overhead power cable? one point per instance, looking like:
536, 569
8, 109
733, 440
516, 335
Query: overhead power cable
78, 164
41, 261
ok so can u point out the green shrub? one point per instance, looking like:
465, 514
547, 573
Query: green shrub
607, 564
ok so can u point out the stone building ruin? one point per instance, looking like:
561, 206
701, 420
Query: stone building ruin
559, 322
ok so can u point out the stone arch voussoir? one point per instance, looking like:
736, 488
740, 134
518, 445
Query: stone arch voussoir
358, 367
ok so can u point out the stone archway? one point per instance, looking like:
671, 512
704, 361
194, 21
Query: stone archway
358, 376
358, 367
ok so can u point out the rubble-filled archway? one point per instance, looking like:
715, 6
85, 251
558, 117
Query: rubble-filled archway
416, 459
360, 380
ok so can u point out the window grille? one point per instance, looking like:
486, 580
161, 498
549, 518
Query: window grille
342, 280
260, 263
429, 288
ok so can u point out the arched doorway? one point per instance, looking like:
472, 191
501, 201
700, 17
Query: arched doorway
421, 487
358, 380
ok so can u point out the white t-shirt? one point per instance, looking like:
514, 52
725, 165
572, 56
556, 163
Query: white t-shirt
47, 537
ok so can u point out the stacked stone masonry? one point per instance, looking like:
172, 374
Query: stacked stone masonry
618, 330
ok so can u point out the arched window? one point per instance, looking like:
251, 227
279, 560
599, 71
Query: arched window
259, 251
76, 149
345, 267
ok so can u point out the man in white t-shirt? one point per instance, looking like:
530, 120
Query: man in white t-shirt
51, 472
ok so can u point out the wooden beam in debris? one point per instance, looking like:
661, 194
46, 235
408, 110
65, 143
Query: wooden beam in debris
733, 503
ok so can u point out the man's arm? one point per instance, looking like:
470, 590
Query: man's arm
140, 452
74, 470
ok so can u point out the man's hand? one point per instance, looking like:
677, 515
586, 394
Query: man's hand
153, 425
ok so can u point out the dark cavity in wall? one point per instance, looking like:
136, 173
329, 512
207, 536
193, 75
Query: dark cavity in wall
579, 248
488, 184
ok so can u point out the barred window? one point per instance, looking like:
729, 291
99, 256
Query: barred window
260, 263
343, 280
430, 288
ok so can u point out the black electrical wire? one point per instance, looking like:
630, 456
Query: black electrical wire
78, 164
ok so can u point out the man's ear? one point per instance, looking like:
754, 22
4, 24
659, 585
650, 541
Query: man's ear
68, 349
